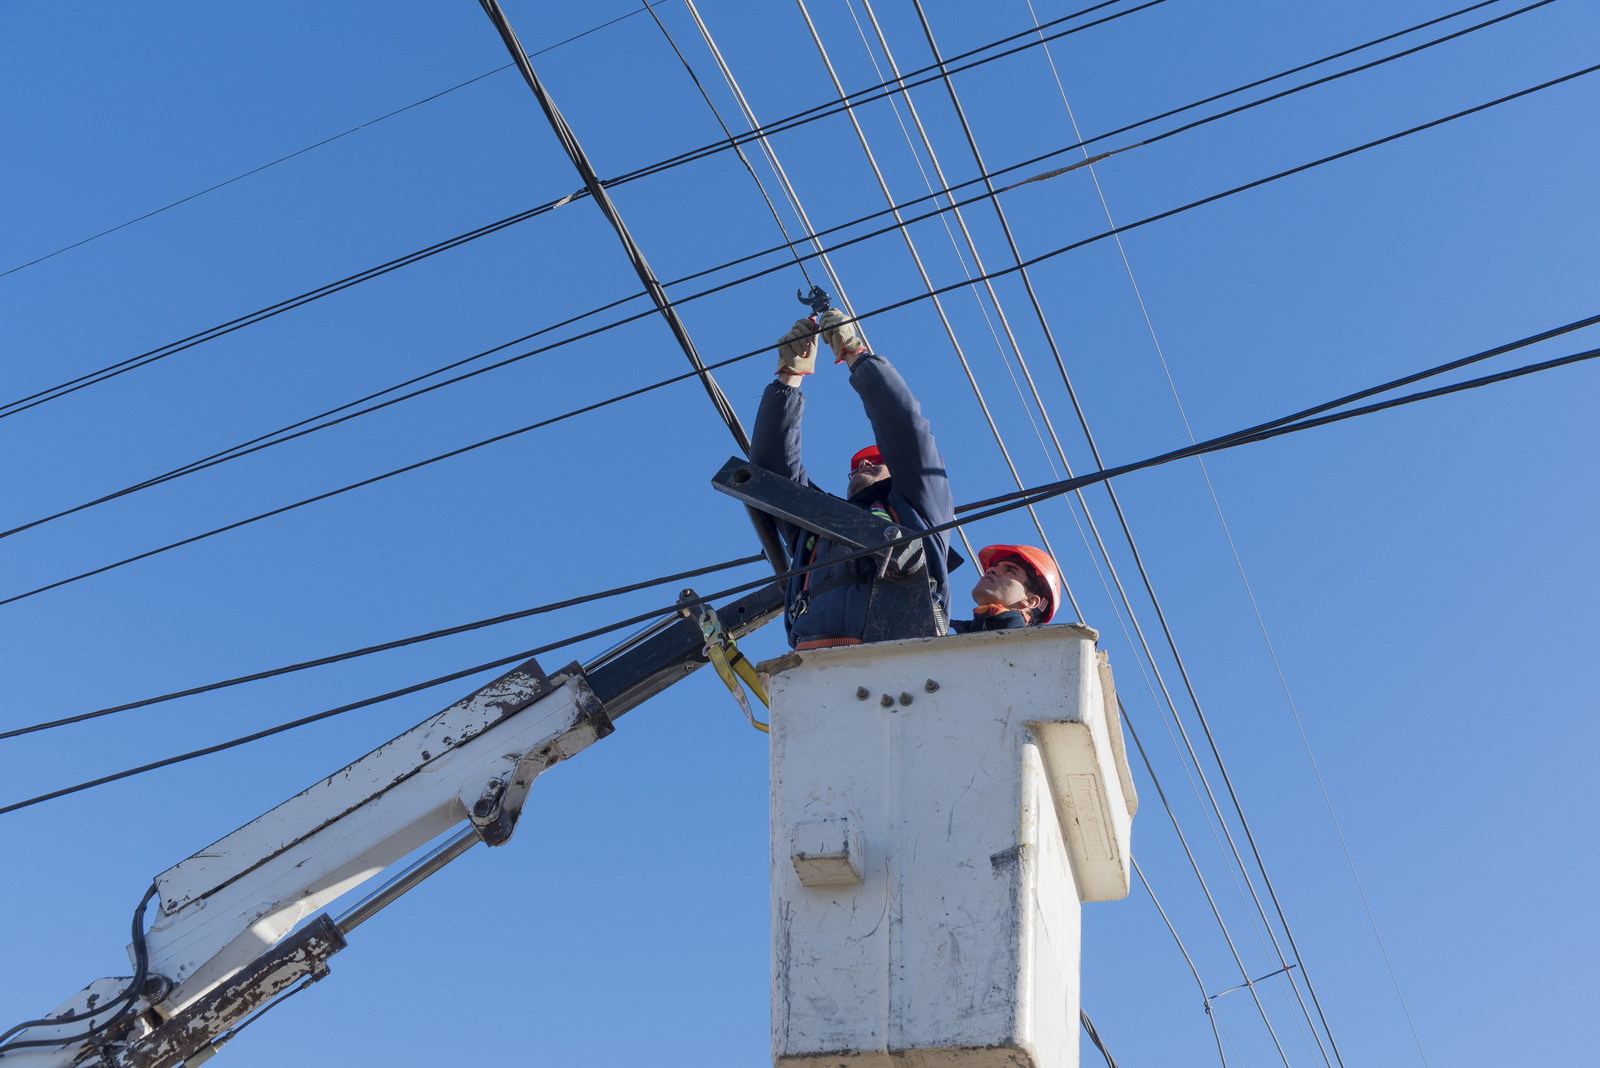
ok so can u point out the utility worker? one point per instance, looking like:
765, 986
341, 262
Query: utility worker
901, 477
1020, 587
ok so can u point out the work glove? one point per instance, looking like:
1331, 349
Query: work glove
840, 335
797, 350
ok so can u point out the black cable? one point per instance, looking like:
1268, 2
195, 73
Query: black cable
1094, 1036
141, 971
283, 434
755, 352
597, 193
352, 706
171, 348
397, 643
326, 141
1037, 495
267, 440
1035, 160
33, 400
886, 89
315, 977
133, 362
1186, 127
738, 149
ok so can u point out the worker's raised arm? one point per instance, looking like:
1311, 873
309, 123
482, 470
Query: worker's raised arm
775, 445
775, 442
904, 438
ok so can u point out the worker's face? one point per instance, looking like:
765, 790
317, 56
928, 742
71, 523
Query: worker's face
866, 475
1005, 583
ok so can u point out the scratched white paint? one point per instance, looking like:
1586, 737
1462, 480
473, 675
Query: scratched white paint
231, 901
988, 808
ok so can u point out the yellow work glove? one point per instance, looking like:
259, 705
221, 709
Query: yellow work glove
797, 350
841, 336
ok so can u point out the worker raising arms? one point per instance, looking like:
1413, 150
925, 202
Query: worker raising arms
900, 477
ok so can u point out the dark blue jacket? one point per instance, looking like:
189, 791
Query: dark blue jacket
1011, 620
918, 497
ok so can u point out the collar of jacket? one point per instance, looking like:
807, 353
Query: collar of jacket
996, 617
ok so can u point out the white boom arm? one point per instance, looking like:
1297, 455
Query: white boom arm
216, 950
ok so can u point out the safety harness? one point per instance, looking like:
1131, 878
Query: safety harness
897, 562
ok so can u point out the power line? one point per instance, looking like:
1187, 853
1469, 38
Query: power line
1055, 351
133, 362
1011, 502
738, 149
850, 102
771, 155
262, 441
325, 141
591, 180
1128, 533
398, 643
171, 348
927, 282
1094, 1036
1205, 889
293, 430
1186, 958
886, 308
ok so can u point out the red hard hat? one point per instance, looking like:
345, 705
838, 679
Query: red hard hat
1037, 560
869, 455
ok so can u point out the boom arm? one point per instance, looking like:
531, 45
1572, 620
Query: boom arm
216, 950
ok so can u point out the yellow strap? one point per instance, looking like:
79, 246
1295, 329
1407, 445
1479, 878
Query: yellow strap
747, 672
731, 669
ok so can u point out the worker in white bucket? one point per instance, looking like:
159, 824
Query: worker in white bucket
901, 477
1020, 587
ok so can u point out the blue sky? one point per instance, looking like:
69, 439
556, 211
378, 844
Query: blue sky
1425, 575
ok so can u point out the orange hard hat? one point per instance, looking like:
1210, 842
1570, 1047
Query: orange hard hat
1037, 560
868, 455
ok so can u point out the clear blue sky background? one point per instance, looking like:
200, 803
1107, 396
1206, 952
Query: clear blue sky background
1425, 575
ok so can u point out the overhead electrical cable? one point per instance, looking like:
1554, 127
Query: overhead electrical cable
765, 527
1186, 958
1022, 363
1008, 503
1127, 532
754, 352
1239, 563
368, 650
265, 441
132, 362
953, 66
771, 154
591, 181
737, 148
927, 283
1094, 1036
300, 428
972, 250
850, 102
366, 702
144, 359
325, 141
1110, 489
1145, 576
182, 344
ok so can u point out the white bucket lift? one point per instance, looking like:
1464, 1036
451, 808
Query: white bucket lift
940, 807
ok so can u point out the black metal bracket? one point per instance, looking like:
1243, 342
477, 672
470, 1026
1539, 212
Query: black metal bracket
899, 607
